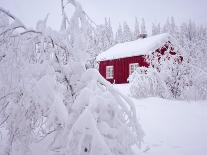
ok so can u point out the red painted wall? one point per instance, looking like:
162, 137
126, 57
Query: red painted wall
121, 67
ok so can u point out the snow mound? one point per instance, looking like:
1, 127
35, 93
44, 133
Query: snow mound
138, 47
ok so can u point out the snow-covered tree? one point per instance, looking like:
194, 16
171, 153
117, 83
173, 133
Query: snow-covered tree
173, 68
168, 72
127, 33
155, 29
28, 86
105, 35
119, 34
173, 27
192, 40
46, 91
109, 32
170, 27
136, 29
146, 82
166, 26
143, 27
100, 121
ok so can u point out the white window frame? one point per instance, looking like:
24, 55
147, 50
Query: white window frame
37, 47
133, 67
109, 72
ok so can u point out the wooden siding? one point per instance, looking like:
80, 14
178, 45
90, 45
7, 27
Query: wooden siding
121, 67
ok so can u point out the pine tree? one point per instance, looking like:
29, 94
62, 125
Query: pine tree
119, 34
155, 29
172, 26
158, 29
109, 33
127, 34
136, 29
166, 26
143, 27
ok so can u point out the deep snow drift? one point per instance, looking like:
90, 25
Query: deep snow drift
171, 127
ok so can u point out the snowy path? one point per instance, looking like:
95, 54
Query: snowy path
172, 127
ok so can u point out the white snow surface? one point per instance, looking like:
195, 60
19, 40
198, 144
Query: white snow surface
171, 127
134, 48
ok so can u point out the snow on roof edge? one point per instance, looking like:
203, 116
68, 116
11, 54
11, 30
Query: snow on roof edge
134, 48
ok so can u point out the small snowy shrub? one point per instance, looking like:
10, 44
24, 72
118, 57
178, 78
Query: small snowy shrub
146, 82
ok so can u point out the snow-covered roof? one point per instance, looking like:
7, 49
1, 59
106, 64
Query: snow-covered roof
134, 48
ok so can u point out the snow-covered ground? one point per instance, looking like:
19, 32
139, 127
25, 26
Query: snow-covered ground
171, 127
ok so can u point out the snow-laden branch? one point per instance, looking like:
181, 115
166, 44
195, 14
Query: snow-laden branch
79, 8
104, 117
201, 71
17, 22
125, 102
1, 123
7, 13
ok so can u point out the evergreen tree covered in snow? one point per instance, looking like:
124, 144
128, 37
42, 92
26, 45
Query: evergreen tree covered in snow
170, 27
119, 34
109, 32
155, 29
105, 35
166, 26
143, 27
136, 30
127, 33
193, 39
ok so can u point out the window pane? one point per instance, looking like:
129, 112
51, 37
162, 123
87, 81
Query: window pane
133, 67
109, 72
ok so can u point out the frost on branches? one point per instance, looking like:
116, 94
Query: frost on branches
105, 120
46, 93
166, 77
191, 40
146, 82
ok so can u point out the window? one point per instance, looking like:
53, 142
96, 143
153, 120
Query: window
133, 67
37, 47
109, 72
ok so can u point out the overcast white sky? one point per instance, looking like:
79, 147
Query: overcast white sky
30, 11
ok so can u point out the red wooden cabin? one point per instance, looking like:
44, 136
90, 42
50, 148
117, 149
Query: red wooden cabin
118, 62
